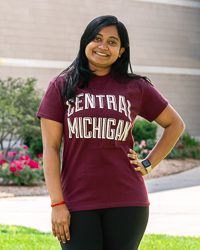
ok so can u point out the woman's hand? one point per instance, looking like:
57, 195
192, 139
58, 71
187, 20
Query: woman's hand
134, 160
60, 219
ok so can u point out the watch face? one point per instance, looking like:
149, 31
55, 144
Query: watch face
146, 163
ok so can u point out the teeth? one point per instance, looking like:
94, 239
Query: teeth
101, 54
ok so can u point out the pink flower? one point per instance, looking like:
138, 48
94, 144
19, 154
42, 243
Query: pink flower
17, 174
144, 151
12, 153
19, 146
143, 143
12, 163
25, 147
33, 164
24, 158
140, 146
40, 155
16, 163
13, 169
19, 167
2, 162
1, 156
22, 153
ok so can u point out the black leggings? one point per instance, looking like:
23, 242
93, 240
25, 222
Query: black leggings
119, 228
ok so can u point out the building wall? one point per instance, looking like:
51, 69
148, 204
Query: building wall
39, 38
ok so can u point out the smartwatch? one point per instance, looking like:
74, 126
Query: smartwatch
146, 163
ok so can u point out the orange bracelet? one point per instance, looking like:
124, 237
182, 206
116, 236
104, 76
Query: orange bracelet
56, 204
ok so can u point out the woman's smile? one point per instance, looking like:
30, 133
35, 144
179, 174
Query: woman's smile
101, 54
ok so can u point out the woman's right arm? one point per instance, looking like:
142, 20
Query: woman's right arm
52, 132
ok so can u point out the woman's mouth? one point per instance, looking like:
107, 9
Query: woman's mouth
101, 54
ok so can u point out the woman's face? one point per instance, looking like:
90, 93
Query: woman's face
104, 50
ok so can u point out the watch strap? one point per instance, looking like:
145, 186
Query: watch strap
149, 169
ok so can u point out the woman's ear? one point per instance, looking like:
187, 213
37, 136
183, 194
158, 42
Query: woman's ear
121, 52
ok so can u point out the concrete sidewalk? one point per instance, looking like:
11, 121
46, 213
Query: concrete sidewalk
175, 204
175, 212
174, 209
189, 178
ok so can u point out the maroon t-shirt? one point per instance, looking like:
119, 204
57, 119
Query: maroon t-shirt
96, 171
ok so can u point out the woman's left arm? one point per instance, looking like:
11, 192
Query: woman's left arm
174, 126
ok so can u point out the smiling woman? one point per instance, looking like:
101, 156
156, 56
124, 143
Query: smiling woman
96, 39
104, 50
93, 105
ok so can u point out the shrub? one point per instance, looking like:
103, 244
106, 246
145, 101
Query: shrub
19, 102
187, 140
144, 147
34, 143
144, 130
186, 147
20, 169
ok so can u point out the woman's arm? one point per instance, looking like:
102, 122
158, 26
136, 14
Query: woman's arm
52, 137
174, 126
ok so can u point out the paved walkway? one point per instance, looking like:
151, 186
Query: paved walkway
175, 204
174, 210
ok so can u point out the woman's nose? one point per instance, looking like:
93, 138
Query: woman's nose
103, 46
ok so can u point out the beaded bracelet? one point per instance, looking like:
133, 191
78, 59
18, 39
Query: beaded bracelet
56, 204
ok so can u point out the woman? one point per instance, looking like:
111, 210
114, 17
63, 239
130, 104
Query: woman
100, 201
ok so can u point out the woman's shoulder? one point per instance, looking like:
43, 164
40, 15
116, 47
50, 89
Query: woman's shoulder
139, 81
59, 81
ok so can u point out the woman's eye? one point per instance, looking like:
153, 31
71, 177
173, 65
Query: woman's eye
97, 39
112, 42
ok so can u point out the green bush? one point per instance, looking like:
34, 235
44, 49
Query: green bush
186, 147
144, 147
144, 130
35, 144
187, 140
19, 102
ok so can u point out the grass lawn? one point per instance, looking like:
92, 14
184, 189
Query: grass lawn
17, 237
166, 242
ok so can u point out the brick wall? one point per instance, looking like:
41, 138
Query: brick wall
160, 35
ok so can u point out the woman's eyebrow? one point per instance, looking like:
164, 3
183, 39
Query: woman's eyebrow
114, 38
110, 36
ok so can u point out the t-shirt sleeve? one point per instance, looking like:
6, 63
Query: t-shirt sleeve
152, 102
51, 106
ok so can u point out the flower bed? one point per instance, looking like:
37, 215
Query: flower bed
186, 147
20, 169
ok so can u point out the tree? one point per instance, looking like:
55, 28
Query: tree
19, 102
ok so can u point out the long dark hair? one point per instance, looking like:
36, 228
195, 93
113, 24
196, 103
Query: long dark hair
79, 69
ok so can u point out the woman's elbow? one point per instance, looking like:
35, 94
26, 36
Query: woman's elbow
180, 125
51, 149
